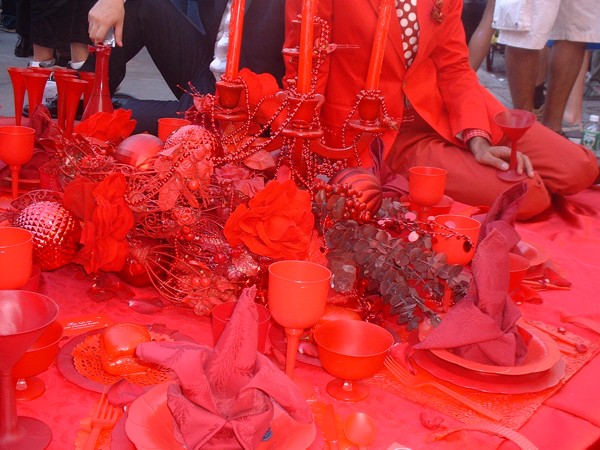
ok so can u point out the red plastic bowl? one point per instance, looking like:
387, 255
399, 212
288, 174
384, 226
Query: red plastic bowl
352, 349
41, 354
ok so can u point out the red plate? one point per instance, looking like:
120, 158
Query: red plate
66, 366
150, 426
483, 382
534, 253
542, 354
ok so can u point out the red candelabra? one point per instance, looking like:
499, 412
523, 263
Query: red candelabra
295, 127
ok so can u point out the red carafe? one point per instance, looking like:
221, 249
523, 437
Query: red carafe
100, 99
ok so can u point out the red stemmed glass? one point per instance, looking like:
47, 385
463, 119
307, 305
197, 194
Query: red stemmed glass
24, 316
514, 123
74, 88
297, 298
19, 88
61, 88
16, 148
426, 188
35, 82
351, 350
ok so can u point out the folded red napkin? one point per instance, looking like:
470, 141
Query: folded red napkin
482, 326
223, 398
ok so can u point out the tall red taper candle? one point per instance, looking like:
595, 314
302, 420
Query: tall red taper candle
381, 32
236, 27
309, 8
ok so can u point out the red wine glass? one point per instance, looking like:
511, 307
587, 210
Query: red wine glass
514, 123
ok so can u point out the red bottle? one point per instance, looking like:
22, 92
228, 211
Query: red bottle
100, 99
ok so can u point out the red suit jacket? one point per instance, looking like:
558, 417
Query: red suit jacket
439, 83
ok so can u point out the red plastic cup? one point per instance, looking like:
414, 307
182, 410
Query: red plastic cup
222, 313
16, 257
457, 249
517, 268
166, 125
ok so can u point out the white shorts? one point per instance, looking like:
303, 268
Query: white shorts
531, 23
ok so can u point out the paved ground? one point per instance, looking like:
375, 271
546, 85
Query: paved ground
144, 81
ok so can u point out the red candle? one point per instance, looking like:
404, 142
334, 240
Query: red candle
381, 32
236, 26
309, 8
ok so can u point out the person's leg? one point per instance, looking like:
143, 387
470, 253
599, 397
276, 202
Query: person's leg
467, 181
561, 167
592, 89
49, 27
539, 93
182, 5
521, 65
479, 44
147, 112
9, 15
595, 66
574, 107
79, 38
471, 16
24, 48
523, 46
565, 61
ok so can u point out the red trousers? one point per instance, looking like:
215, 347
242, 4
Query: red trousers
561, 167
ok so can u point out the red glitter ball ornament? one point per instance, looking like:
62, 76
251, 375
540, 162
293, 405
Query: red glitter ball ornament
137, 148
56, 233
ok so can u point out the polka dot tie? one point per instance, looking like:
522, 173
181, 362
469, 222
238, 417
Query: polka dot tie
407, 14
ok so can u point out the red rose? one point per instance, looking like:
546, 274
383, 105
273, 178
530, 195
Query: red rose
277, 222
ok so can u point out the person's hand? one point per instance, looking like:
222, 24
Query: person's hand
103, 16
497, 156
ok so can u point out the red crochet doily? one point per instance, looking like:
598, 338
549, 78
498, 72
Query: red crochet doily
87, 362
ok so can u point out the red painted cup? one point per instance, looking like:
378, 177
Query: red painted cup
222, 312
167, 125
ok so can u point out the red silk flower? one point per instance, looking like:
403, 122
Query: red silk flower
107, 127
107, 220
277, 222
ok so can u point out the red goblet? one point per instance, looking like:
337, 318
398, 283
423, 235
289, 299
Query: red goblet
35, 361
351, 350
426, 188
24, 316
297, 298
16, 148
514, 124
167, 125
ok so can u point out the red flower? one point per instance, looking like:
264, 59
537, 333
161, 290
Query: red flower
262, 88
107, 127
277, 222
107, 220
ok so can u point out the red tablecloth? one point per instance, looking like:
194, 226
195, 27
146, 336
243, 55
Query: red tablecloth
569, 419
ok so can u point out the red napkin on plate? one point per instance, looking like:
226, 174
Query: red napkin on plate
223, 398
482, 326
